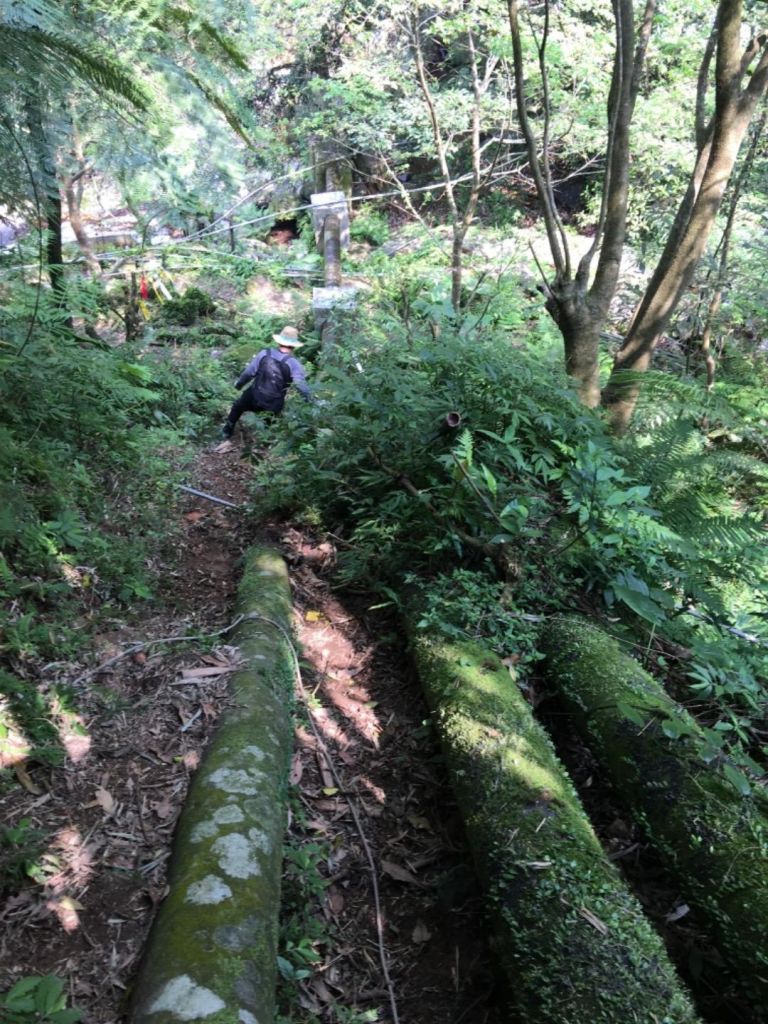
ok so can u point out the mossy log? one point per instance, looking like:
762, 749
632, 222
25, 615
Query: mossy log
714, 840
211, 955
571, 938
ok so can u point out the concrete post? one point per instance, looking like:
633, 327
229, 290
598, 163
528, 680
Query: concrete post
332, 250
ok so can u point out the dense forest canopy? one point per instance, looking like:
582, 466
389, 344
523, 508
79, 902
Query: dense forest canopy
550, 391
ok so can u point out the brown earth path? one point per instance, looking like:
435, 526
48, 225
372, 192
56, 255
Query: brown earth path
106, 816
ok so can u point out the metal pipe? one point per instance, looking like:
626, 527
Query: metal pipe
210, 497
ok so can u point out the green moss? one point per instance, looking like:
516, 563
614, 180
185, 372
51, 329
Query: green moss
217, 929
715, 841
572, 939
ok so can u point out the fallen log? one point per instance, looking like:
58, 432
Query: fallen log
714, 840
212, 951
571, 938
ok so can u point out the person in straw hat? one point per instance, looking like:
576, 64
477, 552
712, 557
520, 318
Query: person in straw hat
272, 372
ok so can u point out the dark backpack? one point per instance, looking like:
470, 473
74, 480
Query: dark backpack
271, 382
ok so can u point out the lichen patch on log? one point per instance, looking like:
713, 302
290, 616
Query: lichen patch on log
186, 1000
208, 890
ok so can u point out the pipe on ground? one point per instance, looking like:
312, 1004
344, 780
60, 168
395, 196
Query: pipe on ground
211, 954
571, 938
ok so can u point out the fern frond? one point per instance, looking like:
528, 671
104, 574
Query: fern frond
230, 115
665, 398
732, 534
465, 448
193, 25
26, 51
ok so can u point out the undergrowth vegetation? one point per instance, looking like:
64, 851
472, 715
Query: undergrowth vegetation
442, 442
93, 439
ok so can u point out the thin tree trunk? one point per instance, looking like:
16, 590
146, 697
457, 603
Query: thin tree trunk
73, 190
460, 221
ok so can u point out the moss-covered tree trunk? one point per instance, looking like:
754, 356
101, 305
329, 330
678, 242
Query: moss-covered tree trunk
212, 951
714, 840
571, 938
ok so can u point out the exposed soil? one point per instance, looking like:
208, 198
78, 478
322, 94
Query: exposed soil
145, 710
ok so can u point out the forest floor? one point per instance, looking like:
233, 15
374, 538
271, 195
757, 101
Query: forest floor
146, 709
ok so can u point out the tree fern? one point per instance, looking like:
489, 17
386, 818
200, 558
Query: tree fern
47, 49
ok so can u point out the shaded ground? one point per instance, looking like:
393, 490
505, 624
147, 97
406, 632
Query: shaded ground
370, 717
99, 827
682, 929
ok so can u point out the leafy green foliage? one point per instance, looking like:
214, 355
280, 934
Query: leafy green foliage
531, 490
303, 930
369, 225
88, 436
38, 1000
20, 844
188, 307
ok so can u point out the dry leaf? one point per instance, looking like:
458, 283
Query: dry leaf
24, 778
193, 517
199, 673
327, 805
162, 808
191, 760
398, 873
372, 810
317, 825
418, 821
335, 900
328, 780
105, 800
322, 991
421, 933
594, 920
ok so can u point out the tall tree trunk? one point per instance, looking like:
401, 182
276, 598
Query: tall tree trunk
724, 248
580, 309
734, 108
51, 194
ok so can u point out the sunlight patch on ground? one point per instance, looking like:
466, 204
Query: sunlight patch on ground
71, 730
14, 746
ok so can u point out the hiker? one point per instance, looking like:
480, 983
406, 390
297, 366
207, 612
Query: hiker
272, 373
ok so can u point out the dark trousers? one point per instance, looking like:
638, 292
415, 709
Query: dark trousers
246, 402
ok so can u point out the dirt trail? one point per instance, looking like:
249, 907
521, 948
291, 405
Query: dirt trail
371, 719
145, 714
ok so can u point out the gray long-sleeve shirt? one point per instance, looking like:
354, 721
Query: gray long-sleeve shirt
298, 377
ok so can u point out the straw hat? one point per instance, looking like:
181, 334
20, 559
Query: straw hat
288, 336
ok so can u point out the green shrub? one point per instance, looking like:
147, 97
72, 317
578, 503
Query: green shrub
187, 308
369, 225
